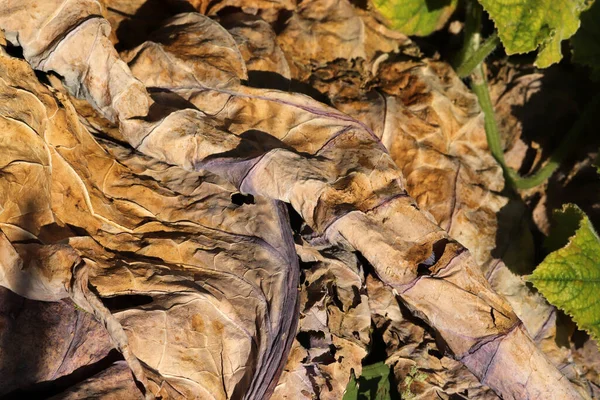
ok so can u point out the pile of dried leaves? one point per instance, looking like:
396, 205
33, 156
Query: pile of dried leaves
182, 223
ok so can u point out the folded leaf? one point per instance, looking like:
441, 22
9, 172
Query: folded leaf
149, 231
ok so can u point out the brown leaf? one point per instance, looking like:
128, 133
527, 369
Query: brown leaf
433, 128
138, 214
45, 341
419, 364
285, 147
113, 382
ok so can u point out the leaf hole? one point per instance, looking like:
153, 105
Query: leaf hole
307, 338
437, 251
436, 353
123, 302
240, 199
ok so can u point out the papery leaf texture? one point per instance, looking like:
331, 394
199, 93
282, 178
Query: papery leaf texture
159, 175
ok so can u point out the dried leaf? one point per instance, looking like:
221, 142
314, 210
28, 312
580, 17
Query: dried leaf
277, 147
410, 346
113, 382
320, 31
46, 341
132, 205
433, 129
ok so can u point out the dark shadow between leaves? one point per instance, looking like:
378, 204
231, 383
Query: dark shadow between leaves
136, 29
255, 144
169, 101
273, 80
46, 389
22, 346
433, 5
580, 188
550, 112
516, 239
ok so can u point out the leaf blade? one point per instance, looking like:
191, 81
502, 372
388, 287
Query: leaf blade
416, 17
527, 25
372, 384
569, 277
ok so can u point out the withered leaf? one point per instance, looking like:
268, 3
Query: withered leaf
179, 101
150, 231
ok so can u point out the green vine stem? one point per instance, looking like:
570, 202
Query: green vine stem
477, 57
471, 59
471, 34
568, 144
479, 86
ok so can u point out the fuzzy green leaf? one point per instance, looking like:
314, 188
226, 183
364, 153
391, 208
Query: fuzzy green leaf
527, 25
569, 277
373, 384
586, 42
416, 17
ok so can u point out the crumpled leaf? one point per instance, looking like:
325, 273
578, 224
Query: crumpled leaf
524, 26
256, 41
431, 143
416, 17
341, 181
113, 382
334, 325
332, 314
139, 213
320, 31
412, 352
569, 277
588, 356
202, 105
586, 42
441, 147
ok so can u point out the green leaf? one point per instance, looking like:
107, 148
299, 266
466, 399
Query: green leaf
373, 384
586, 42
416, 17
351, 392
527, 25
569, 277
